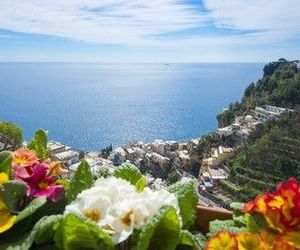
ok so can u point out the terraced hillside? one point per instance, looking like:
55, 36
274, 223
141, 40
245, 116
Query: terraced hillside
271, 157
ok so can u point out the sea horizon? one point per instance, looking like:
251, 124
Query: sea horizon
92, 105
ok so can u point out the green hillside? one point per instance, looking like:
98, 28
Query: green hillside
279, 86
271, 157
273, 154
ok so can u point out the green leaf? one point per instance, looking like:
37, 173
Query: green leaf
141, 184
39, 144
188, 198
5, 163
32, 207
75, 233
236, 207
81, 180
228, 225
45, 229
255, 222
191, 241
11, 193
42, 232
162, 232
132, 174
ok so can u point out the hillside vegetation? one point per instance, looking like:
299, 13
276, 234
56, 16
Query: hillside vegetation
271, 157
280, 86
273, 154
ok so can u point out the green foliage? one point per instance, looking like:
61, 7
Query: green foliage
81, 180
188, 199
173, 176
5, 162
31, 208
255, 222
11, 193
11, 136
162, 232
106, 151
228, 225
191, 241
280, 86
39, 144
132, 174
45, 229
75, 233
266, 160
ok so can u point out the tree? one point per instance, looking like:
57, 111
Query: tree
11, 136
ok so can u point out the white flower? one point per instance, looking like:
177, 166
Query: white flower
115, 206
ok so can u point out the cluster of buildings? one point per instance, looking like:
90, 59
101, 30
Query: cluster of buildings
157, 157
71, 158
213, 169
246, 125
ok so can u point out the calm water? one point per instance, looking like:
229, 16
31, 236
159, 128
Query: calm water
89, 106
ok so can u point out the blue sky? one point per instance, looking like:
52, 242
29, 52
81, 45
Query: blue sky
149, 30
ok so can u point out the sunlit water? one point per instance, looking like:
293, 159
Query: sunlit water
89, 106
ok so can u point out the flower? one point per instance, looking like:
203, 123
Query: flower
6, 219
281, 210
223, 240
116, 207
41, 184
24, 157
3, 178
56, 168
248, 241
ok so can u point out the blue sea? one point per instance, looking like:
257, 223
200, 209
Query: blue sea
91, 105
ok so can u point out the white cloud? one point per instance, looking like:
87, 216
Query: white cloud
145, 22
273, 19
101, 21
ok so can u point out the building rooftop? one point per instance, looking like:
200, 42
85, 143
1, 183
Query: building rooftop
66, 155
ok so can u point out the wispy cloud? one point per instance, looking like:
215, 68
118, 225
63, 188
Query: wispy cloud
274, 19
156, 22
102, 21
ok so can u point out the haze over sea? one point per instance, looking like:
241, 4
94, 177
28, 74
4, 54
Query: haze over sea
90, 105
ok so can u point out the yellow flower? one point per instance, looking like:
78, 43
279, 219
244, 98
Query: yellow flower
248, 241
6, 219
3, 178
222, 241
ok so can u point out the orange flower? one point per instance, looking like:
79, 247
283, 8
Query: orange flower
223, 240
24, 157
56, 168
281, 208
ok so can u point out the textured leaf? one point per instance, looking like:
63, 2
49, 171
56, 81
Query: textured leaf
132, 174
162, 232
45, 229
11, 193
236, 207
41, 232
191, 241
141, 184
75, 233
255, 222
188, 198
81, 180
227, 225
32, 207
5, 163
39, 144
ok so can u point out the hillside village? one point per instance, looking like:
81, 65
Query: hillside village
158, 158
